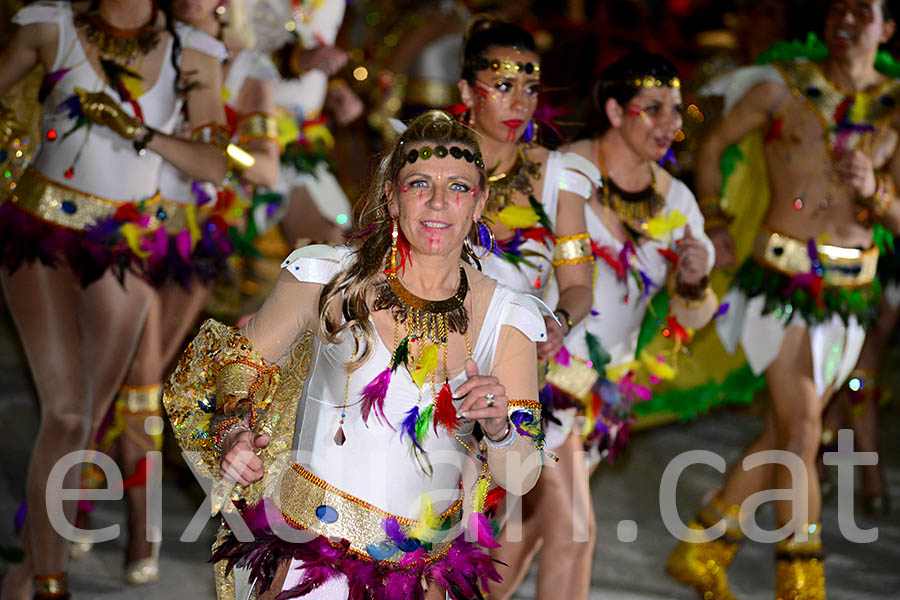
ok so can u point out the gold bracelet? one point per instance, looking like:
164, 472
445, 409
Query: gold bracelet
572, 250
212, 133
256, 126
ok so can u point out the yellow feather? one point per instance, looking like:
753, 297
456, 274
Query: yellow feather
479, 494
617, 372
133, 85
288, 130
662, 225
190, 214
427, 363
426, 529
132, 234
656, 367
518, 217
319, 132
858, 110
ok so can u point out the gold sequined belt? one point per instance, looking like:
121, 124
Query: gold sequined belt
61, 205
844, 267
309, 502
575, 379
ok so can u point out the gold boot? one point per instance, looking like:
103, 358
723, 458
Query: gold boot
800, 568
702, 565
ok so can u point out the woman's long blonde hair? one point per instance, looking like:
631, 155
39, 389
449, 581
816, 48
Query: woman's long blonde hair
370, 238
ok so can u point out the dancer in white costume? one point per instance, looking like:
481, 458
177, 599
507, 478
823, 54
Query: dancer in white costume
536, 206
799, 305
390, 398
648, 229
89, 205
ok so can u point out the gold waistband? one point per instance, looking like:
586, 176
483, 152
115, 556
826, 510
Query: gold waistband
844, 267
575, 379
61, 205
311, 503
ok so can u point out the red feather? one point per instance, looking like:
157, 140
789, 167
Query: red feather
538, 234
445, 412
493, 500
606, 254
668, 255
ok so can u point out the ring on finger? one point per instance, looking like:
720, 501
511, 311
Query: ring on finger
490, 400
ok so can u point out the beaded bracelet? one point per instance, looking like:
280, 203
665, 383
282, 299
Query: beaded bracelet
505, 440
225, 428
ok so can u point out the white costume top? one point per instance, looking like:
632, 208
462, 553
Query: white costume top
104, 152
173, 184
569, 172
617, 323
373, 463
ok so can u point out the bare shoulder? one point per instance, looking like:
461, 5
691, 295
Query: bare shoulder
764, 96
582, 148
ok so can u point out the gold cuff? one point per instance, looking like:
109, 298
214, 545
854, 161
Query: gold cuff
212, 133
257, 126
572, 250
515, 404
140, 399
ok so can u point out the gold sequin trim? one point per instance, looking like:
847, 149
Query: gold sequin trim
572, 250
844, 267
311, 503
65, 206
527, 404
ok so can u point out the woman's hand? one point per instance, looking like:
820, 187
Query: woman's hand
692, 258
489, 412
240, 463
556, 334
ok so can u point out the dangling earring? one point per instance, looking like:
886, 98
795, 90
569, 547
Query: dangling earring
395, 233
528, 135
486, 239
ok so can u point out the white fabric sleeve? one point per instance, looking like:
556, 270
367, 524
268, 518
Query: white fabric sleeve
526, 313
579, 175
200, 41
262, 67
313, 264
40, 12
304, 96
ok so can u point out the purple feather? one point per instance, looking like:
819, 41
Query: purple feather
393, 531
482, 529
408, 427
520, 418
373, 398
19, 519
669, 158
49, 82
71, 106
528, 135
648, 283
484, 236
723, 309
200, 194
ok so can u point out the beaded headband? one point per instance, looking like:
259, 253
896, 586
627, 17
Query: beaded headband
504, 67
426, 152
650, 82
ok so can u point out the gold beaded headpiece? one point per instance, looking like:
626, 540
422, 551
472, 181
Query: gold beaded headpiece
650, 82
504, 67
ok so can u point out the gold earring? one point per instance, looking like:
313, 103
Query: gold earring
395, 233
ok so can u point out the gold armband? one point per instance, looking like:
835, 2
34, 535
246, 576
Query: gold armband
714, 215
212, 133
572, 250
257, 126
880, 202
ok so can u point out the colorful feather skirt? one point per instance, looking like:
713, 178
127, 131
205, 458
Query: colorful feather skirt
335, 536
155, 239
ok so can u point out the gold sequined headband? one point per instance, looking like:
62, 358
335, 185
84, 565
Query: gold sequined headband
504, 67
650, 82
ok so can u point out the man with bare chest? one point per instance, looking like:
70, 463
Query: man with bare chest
800, 305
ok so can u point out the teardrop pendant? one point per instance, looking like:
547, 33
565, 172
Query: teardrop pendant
339, 438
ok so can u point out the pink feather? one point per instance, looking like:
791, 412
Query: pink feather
481, 527
373, 396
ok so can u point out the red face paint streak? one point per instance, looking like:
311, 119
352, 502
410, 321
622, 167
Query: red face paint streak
434, 242
404, 189
457, 199
634, 111
420, 196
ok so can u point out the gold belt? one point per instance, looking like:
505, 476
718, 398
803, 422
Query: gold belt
61, 205
308, 502
844, 267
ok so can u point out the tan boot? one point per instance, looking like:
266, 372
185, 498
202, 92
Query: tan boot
702, 565
800, 568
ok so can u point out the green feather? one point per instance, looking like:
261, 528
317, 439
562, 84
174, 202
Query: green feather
883, 238
727, 165
423, 423
816, 50
542, 215
599, 357
401, 354
659, 307
240, 243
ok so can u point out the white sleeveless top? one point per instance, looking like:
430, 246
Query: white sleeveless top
614, 322
569, 172
173, 184
373, 463
108, 165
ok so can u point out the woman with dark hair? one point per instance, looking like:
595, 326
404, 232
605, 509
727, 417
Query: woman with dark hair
646, 226
84, 226
536, 213
362, 436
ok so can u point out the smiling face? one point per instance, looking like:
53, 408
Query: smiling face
194, 12
649, 121
436, 201
503, 100
856, 26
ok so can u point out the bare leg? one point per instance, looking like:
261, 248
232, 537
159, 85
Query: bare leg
73, 354
558, 513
